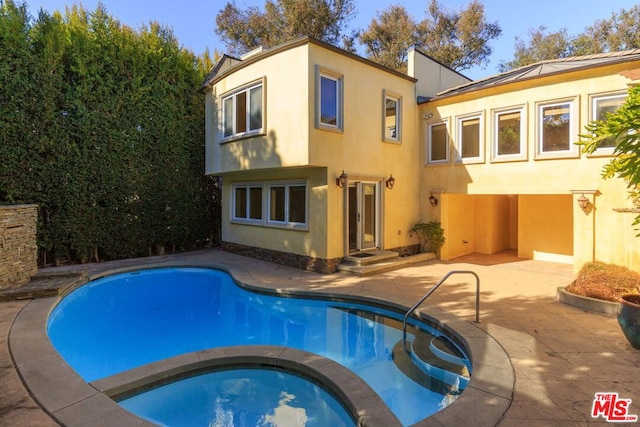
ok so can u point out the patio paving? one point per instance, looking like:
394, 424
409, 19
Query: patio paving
561, 355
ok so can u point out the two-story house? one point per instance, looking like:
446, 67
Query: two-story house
323, 154
318, 151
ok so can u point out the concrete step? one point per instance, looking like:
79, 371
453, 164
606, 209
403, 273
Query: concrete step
449, 370
387, 264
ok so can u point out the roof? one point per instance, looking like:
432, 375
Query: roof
543, 68
228, 63
225, 62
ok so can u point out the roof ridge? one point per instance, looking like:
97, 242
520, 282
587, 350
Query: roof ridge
526, 69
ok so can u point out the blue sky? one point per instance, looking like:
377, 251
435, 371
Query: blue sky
193, 21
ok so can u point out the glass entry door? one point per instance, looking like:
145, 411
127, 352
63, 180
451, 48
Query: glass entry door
363, 215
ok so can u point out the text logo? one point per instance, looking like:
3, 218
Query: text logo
612, 408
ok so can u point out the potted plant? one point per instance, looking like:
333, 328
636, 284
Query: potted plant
610, 282
629, 318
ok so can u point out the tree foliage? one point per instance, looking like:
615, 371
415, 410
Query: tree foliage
389, 37
458, 39
541, 46
243, 30
619, 32
622, 127
103, 128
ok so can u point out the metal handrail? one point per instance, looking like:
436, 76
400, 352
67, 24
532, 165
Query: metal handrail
446, 276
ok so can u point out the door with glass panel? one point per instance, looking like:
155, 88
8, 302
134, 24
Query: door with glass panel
363, 215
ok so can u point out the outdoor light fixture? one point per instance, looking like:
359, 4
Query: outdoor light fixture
341, 180
427, 116
390, 182
583, 202
433, 200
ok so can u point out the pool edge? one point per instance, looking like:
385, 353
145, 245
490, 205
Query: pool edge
71, 401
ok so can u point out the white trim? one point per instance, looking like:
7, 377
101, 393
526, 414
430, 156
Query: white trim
247, 220
287, 223
458, 140
446, 160
573, 150
593, 111
233, 94
339, 79
266, 187
522, 155
398, 122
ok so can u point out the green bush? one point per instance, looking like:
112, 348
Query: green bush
103, 127
430, 235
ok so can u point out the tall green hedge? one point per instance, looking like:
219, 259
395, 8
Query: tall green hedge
102, 126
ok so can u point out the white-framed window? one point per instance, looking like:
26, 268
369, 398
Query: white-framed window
470, 138
438, 143
243, 111
287, 204
600, 106
509, 139
247, 204
329, 99
556, 129
392, 117
271, 204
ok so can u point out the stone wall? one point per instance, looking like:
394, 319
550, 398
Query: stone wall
319, 265
18, 247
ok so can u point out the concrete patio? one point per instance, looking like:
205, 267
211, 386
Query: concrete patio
561, 356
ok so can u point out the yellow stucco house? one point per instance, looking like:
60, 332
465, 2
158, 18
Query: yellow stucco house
323, 154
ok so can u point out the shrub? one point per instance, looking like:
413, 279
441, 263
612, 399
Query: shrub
605, 281
431, 236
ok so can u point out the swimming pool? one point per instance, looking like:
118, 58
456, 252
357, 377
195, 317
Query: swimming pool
124, 321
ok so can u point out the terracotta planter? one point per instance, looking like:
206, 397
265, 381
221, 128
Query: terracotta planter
629, 318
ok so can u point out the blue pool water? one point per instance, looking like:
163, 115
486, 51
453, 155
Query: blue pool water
237, 397
128, 320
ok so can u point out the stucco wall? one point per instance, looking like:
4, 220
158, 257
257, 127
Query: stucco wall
294, 148
545, 222
18, 247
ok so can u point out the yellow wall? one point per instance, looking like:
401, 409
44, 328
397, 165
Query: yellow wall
548, 225
286, 129
293, 146
478, 223
312, 242
545, 227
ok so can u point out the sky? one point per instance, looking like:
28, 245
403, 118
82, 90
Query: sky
193, 21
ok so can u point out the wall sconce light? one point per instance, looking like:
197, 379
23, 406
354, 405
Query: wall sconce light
433, 200
583, 202
390, 182
341, 180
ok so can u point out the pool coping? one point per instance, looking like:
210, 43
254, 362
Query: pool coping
68, 399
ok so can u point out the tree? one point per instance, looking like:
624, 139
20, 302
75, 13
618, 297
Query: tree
242, 30
459, 40
541, 46
389, 37
622, 126
620, 32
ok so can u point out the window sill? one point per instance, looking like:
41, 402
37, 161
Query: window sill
470, 161
266, 224
392, 141
240, 137
330, 128
557, 155
509, 159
